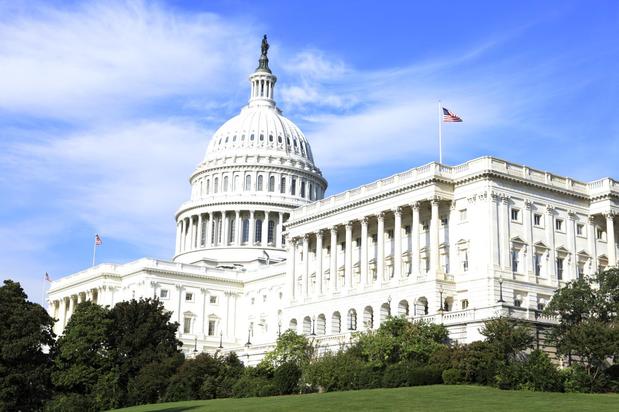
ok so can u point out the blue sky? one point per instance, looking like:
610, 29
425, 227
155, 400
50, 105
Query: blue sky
107, 106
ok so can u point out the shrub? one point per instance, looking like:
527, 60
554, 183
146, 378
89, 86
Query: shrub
71, 402
425, 375
286, 378
576, 379
536, 373
479, 362
396, 376
453, 376
250, 386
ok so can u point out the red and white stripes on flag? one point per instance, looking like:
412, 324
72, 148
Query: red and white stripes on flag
98, 241
449, 117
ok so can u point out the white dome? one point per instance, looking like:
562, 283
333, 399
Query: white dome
259, 128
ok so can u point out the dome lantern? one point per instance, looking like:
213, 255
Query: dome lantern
262, 80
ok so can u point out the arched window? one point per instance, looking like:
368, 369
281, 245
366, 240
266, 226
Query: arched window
231, 230
336, 323
352, 319
311, 192
259, 184
282, 185
272, 184
302, 189
403, 308
247, 183
225, 189
208, 186
271, 232
307, 325
235, 183
215, 185
293, 186
321, 325
258, 230
368, 317
293, 325
385, 312
245, 231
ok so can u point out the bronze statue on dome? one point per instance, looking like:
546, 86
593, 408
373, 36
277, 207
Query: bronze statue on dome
265, 45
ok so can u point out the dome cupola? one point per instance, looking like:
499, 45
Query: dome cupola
257, 168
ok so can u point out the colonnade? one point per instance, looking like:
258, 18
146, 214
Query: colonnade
230, 228
371, 272
64, 307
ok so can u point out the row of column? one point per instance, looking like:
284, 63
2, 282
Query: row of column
225, 228
63, 308
365, 222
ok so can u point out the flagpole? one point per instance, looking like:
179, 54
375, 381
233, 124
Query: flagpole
440, 134
94, 251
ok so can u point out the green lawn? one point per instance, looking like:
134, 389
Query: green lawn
441, 398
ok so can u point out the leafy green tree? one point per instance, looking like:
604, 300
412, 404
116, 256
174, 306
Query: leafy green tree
25, 367
508, 336
290, 347
397, 340
535, 372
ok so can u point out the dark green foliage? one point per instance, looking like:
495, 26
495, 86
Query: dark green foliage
577, 379
25, 328
286, 378
507, 336
453, 376
290, 347
536, 372
251, 386
341, 371
478, 362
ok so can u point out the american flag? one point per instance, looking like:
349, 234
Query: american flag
449, 117
47, 278
98, 241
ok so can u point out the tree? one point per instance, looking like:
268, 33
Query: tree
290, 347
508, 336
25, 330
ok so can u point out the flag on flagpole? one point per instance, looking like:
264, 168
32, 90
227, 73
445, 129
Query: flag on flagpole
449, 117
98, 241
47, 278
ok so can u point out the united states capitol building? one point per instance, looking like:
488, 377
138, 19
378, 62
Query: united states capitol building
260, 250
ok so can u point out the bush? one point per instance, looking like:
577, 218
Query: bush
425, 375
286, 378
576, 379
71, 402
396, 375
479, 362
453, 376
251, 386
339, 372
536, 373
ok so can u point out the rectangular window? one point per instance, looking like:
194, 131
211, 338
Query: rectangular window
560, 268
212, 299
538, 264
599, 234
537, 220
581, 270
559, 225
211, 328
463, 215
358, 241
515, 215
293, 186
302, 189
188, 296
342, 245
163, 293
515, 260
390, 234
282, 185
407, 229
444, 221
425, 225
187, 325
580, 229
465, 262
374, 238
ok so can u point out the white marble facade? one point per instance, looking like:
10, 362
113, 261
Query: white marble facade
258, 249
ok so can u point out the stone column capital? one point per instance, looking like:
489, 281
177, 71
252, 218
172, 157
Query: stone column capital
397, 211
380, 216
415, 206
550, 210
365, 220
348, 226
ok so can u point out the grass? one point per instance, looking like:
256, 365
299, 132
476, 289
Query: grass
420, 398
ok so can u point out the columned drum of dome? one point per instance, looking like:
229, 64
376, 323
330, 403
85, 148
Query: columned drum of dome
258, 167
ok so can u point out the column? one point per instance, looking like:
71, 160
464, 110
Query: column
364, 252
252, 228
333, 263
182, 239
62, 317
493, 231
178, 237
192, 234
203, 312
528, 238
434, 249
591, 238
71, 308
280, 229
265, 227
199, 240
319, 270
306, 265
571, 232
292, 277
504, 218
348, 256
226, 228
209, 228
380, 252
397, 234
610, 239
415, 239
238, 228
549, 225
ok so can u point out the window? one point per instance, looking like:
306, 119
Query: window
163, 293
463, 215
258, 230
208, 186
538, 264
581, 270
375, 238
407, 229
465, 304
515, 260
390, 234
225, 189
235, 183
247, 183
559, 225
293, 186
560, 268
465, 261
599, 234
252, 301
515, 215
212, 299
537, 219
259, 184
187, 325
272, 184
211, 328
264, 298
232, 230
342, 246
245, 230
215, 185
302, 194
517, 303
282, 185
425, 225
580, 229
444, 221
189, 296
540, 306
358, 241
271, 231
